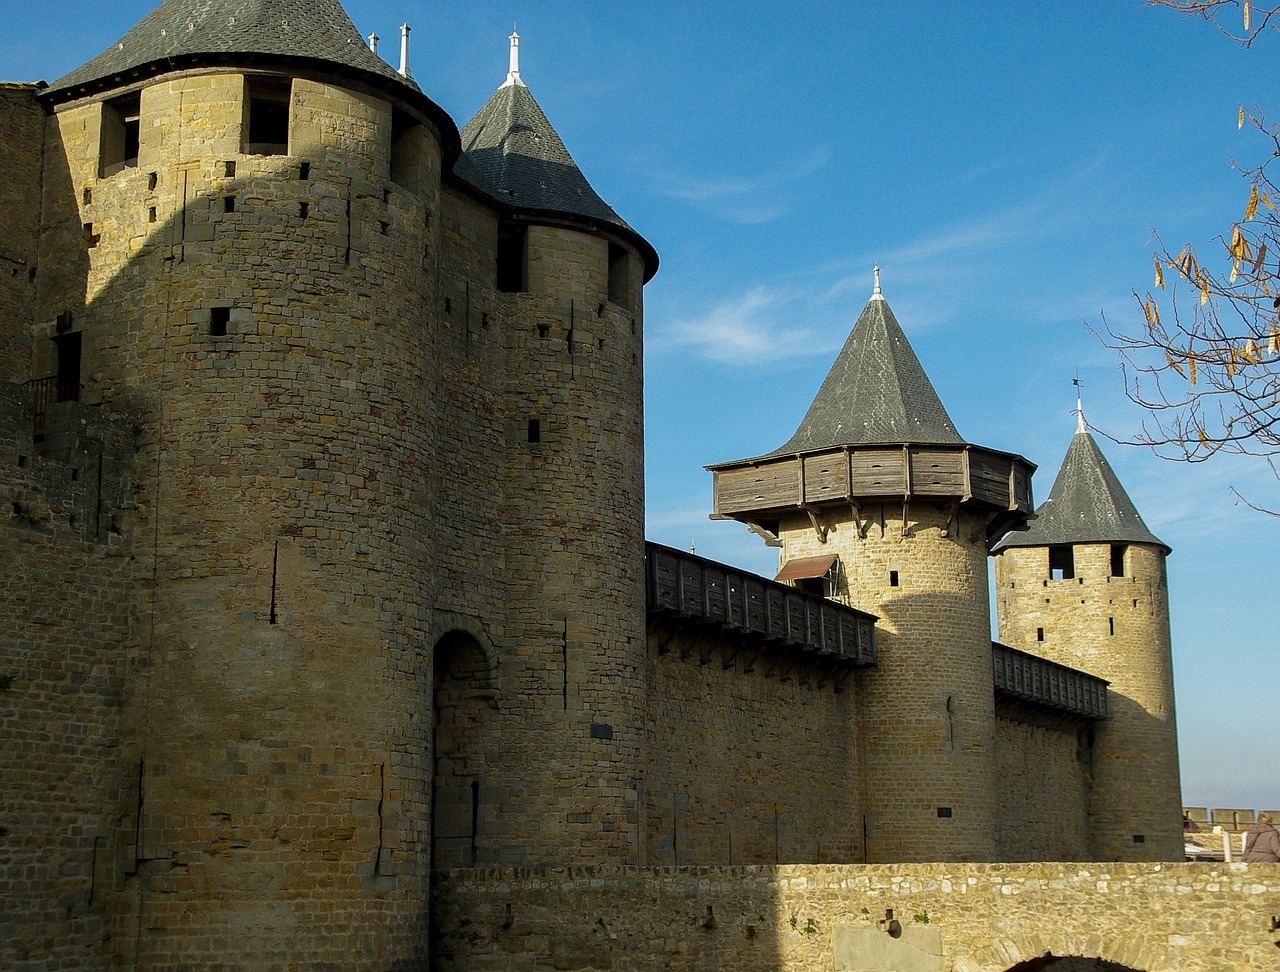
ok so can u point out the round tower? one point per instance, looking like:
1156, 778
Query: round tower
1085, 586
895, 511
554, 315
240, 247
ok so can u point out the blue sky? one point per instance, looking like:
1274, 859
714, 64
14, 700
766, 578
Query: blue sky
1005, 164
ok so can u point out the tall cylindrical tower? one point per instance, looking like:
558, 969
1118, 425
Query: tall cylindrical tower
878, 491
239, 247
1085, 586
558, 775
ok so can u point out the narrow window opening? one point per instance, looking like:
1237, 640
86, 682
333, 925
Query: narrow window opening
228, 204
303, 210
893, 578
406, 151
153, 179
386, 196
87, 195
91, 239
1118, 551
384, 228
512, 259
266, 122
22, 462
1039, 634
944, 812
75, 475
448, 306
118, 142
1062, 562
1111, 624
543, 330
535, 430
619, 273
600, 344
219, 318
71, 519
151, 214
1139, 838
67, 348
229, 169
304, 171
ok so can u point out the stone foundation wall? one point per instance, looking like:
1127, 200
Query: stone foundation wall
1044, 777
750, 761
65, 634
964, 918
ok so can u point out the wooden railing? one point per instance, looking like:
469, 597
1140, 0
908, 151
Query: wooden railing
1027, 678
686, 586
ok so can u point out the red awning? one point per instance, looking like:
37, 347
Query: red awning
806, 567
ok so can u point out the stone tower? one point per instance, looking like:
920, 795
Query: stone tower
555, 771
878, 499
389, 459
1085, 586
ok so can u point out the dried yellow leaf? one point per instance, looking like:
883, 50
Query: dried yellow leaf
1266, 201
1240, 119
1191, 366
1246, 14
1159, 273
1252, 208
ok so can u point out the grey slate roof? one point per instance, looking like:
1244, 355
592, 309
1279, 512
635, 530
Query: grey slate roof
521, 160
1086, 505
875, 393
180, 31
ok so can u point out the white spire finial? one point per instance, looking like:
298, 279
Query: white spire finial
875, 294
373, 42
404, 51
513, 72
1080, 423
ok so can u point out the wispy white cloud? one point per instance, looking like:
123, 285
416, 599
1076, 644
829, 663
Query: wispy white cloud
758, 324
761, 197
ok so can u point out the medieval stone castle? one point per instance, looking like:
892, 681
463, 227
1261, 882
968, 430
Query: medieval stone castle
330, 636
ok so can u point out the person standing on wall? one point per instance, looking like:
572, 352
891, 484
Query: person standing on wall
1262, 842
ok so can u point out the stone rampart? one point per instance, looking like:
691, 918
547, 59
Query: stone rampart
961, 917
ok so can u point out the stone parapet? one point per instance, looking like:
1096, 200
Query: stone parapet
961, 917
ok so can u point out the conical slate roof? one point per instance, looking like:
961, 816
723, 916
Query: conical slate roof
180, 32
1086, 505
875, 393
522, 160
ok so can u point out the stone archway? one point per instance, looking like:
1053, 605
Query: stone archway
464, 700
1051, 963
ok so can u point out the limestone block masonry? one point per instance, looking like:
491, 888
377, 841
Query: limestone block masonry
951, 917
325, 644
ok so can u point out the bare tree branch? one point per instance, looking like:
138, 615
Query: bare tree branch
1240, 20
1205, 364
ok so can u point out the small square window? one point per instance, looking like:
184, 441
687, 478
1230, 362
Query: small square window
219, 318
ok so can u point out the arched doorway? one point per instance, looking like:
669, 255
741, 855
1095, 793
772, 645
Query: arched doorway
464, 701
